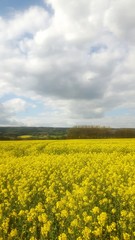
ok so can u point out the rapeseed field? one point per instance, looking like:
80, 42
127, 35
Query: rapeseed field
70, 189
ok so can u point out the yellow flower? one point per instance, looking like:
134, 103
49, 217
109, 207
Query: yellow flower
13, 233
74, 223
32, 229
111, 227
14, 214
123, 213
42, 218
113, 210
86, 232
126, 236
114, 238
64, 213
5, 225
46, 228
21, 213
95, 210
98, 232
39, 207
70, 231
33, 238
88, 219
62, 236
102, 218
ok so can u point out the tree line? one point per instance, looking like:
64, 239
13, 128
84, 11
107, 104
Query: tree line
87, 132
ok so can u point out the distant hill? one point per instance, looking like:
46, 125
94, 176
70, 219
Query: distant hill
77, 132
11, 133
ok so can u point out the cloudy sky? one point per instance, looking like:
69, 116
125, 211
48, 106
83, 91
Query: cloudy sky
66, 63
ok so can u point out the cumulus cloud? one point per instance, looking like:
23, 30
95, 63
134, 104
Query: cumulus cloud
78, 61
22, 23
120, 19
15, 105
6, 117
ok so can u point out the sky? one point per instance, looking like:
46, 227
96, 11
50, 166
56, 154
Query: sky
66, 63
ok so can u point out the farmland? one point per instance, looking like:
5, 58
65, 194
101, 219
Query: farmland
67, 189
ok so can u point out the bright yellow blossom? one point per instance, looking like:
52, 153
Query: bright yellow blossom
95, 210
102, 218
126, 236
13, 233
98, 232
86, 233
62, 236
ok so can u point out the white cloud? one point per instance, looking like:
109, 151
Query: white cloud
15, 105
22, 23
6, 117
120, 18
78, 61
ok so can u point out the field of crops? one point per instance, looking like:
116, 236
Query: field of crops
70, 189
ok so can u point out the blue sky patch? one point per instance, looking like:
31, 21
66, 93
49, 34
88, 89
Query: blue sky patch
118, 112
7, 7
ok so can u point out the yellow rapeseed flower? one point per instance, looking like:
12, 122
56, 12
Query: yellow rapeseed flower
98, 232
86, 233
13, 233
96, 210
102, 218
126, 236
62, 236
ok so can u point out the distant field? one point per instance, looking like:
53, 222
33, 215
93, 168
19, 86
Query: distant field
70, 189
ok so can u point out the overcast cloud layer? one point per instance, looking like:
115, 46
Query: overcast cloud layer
67, 63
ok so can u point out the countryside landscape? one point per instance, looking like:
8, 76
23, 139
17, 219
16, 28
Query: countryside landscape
67, 120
